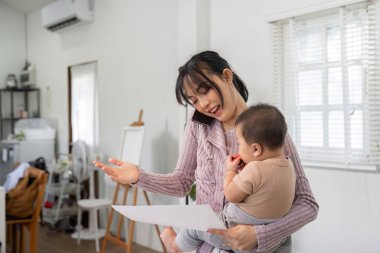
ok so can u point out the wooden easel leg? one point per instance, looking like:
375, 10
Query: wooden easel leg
120, 217
132, 223
109, 222
156, 226
117, 239
108, 236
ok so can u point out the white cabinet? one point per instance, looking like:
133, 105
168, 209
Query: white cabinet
28, 150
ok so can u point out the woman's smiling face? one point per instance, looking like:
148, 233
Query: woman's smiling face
206, 99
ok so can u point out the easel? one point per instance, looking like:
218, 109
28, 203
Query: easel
117, 239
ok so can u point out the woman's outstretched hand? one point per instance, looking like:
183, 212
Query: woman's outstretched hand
240, 237
126, 173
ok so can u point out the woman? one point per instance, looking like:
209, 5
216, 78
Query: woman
218, 95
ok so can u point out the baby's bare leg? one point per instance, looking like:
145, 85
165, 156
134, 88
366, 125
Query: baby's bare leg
168, 236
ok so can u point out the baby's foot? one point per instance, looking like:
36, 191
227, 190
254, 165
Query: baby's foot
168, 236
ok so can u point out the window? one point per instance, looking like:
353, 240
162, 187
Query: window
328, 88
83, 104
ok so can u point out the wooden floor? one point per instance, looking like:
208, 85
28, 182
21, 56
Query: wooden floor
53, 241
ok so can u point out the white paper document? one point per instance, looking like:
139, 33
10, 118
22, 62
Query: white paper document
199, 217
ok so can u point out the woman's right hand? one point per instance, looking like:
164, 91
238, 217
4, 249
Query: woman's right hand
126, 173
240, 237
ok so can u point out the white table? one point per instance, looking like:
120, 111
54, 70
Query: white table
2, 219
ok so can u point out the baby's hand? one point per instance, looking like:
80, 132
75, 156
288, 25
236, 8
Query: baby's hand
232, 162
241, 163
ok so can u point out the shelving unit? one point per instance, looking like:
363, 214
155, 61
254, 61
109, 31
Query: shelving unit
16, 104
61, 193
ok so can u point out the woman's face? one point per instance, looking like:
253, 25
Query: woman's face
207, 100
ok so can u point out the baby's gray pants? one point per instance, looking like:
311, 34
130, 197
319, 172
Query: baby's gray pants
189, 240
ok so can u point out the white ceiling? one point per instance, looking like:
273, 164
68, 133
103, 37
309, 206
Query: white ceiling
27, 6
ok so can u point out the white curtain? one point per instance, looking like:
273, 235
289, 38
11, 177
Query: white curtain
84, 113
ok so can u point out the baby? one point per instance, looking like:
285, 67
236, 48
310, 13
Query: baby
259, 183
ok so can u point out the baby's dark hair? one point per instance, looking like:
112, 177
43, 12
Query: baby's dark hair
263, 124
194, 72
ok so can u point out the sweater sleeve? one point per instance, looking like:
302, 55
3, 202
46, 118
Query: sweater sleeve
179, 182
303, 211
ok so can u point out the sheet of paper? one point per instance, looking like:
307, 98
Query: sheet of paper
199, 217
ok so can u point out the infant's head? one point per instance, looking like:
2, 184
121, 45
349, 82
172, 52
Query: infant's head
261, 128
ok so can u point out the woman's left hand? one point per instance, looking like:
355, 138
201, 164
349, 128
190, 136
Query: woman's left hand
240, 237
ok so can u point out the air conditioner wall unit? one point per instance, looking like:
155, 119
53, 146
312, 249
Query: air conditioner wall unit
62, 14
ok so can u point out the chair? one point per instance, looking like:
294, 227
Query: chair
30, 223
92, 205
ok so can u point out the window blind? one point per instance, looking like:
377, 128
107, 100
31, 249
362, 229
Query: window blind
326, 80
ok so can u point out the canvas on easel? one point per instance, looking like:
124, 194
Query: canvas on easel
130, 151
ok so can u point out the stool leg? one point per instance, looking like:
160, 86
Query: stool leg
79, 224
95, 217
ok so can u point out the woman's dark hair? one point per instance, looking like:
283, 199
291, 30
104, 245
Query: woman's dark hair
194, 72
264, 124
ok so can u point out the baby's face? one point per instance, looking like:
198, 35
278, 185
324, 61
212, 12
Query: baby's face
245, 150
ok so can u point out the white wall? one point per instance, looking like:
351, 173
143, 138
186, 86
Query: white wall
349, 217
12, 42
135, 43
135, 46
